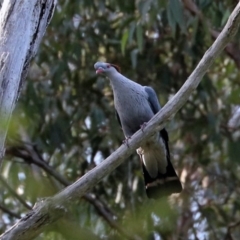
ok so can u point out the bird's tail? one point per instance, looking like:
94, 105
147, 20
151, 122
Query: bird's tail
164, 184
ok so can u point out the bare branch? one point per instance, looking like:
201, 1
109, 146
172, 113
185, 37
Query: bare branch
50, 210
19, 198
6, 210
234, 121
29, 154
231, 226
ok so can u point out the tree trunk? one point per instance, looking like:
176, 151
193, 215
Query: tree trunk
22, 26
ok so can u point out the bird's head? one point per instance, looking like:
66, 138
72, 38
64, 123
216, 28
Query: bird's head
106, 68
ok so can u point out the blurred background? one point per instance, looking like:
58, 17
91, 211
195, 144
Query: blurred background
64, 123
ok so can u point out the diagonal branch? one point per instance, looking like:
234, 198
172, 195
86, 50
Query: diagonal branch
17, 196
6, 210
29, 154
230, 227
48, 211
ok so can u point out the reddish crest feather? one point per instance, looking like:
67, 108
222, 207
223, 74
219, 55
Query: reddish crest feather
116, 67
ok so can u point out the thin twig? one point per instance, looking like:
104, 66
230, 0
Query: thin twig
21, 200
6, 210
228, 235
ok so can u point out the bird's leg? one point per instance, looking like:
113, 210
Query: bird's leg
143, 126
125, 141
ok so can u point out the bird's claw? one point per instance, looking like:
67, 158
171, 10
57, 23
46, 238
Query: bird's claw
125, 141
143, 126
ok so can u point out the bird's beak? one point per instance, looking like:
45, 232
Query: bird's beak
99, 71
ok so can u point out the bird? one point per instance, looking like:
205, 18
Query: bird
135, 105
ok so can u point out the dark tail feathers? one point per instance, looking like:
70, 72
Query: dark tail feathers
164, 184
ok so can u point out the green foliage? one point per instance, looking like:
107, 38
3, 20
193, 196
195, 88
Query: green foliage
66, 117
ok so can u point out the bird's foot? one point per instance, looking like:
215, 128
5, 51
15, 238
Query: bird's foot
125, 141
143, 126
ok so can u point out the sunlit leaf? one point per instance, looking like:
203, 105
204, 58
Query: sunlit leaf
140, 37
124, 41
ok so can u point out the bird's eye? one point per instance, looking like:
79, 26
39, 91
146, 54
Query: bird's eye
108, 66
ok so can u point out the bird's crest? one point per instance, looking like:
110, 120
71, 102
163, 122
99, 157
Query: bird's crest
116, 67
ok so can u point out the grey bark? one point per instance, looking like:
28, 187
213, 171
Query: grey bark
22, 26
48, 211
234, 121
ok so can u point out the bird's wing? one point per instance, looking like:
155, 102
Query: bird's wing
152, 99
118, 118
167, 183
155, 106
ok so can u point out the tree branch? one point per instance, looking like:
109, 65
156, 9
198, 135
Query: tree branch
231, 226
29, 154
234, 121
50, 210
6, 210
19, 198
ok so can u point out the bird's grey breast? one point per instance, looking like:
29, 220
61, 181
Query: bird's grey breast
133, 108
